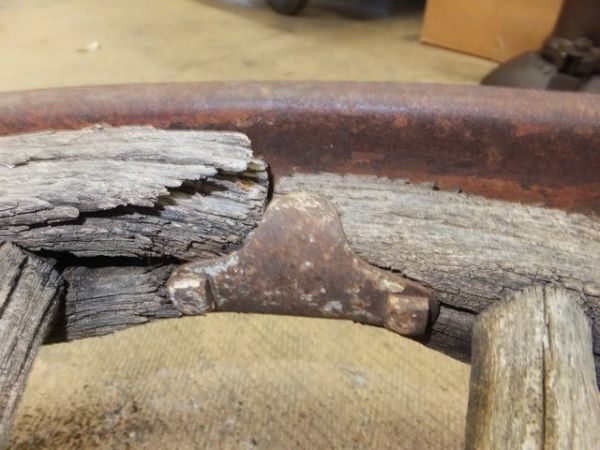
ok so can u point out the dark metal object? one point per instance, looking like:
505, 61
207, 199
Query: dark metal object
577, 57
569, 59
297, 262
561, 65
288, 7
526, 146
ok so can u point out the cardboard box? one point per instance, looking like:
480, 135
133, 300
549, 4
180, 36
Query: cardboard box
493, 29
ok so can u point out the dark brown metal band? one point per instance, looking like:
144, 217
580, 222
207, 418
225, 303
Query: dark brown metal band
536, 147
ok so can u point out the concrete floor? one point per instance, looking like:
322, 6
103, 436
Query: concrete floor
228, 380
43, 42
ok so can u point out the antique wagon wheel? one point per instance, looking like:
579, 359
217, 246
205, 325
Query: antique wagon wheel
525, 165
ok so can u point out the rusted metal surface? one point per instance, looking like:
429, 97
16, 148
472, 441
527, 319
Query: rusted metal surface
527, 146
297, 262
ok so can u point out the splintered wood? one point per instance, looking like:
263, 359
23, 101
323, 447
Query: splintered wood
130, 192
151, 197
101, 300
148, 196
533, 384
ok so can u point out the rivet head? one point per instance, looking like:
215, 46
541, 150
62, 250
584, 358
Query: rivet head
190, 293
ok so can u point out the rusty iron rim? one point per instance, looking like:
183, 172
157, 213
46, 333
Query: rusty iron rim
525, 146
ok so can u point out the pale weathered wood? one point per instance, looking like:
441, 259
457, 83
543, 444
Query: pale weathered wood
134, 192
131, 191
533, 384
29, 295
90, 195
470, 250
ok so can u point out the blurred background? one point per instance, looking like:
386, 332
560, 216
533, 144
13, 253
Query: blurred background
67, 42
245, 381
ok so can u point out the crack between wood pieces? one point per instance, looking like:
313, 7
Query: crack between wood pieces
204, 186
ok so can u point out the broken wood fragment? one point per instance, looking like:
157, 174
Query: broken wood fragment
130, 192
30, 288
127, 202
102, 300
533, 384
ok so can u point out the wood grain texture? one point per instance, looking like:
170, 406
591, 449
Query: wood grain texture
131, 191
92, 195
29, 296
101, 300
470, 250
533, 384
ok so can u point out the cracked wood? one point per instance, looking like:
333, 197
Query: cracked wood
101, 300
471, 251
131, 191
116, 203
533, 384
29, 296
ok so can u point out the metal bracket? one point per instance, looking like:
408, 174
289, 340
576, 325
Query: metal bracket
297, 262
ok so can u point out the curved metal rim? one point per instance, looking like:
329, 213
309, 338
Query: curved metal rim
517, 145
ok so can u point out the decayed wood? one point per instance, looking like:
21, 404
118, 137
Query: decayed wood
102, 300
29, 295
533, 384
471, 251
132, 191
82, 196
